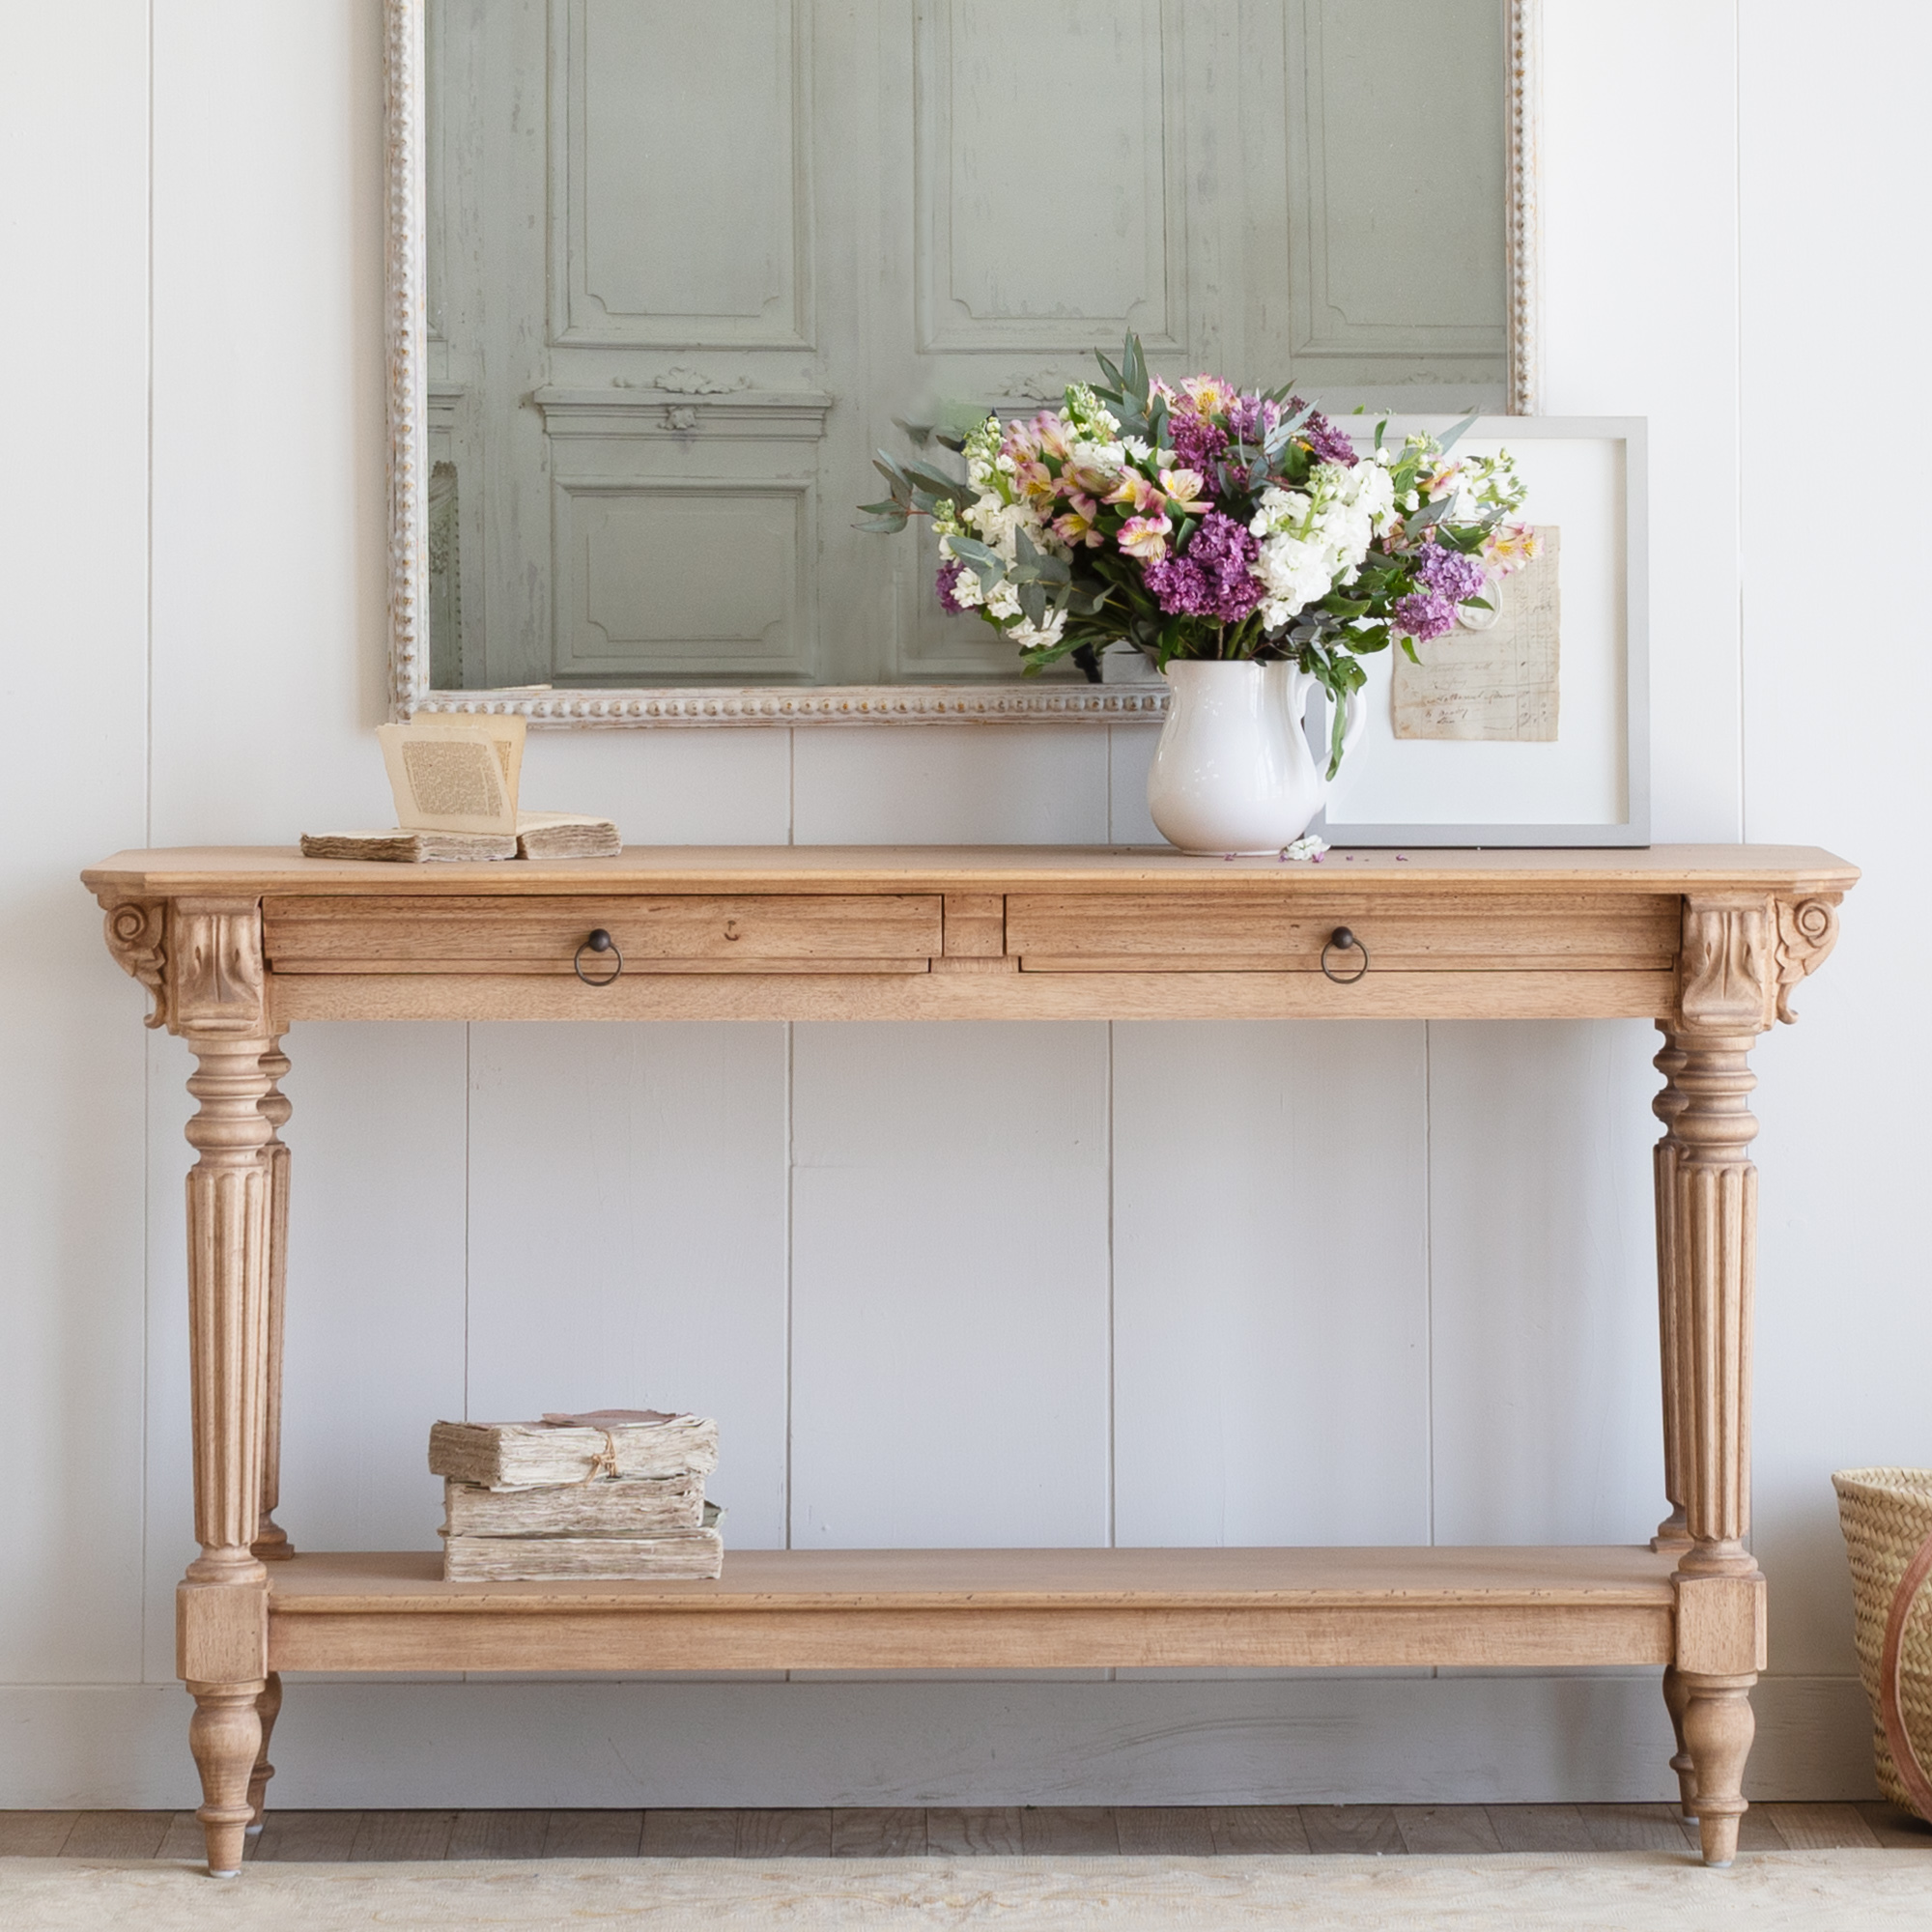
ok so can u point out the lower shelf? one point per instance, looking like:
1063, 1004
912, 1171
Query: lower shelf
867, 1609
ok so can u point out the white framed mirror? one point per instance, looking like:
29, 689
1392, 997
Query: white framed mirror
661, 278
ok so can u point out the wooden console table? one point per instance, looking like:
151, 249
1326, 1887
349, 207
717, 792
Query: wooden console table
237, 945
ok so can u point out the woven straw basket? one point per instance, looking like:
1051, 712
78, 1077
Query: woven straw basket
1887, 1517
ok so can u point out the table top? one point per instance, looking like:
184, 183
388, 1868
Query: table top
245, 871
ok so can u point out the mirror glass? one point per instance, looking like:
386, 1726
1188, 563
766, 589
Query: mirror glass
690, 265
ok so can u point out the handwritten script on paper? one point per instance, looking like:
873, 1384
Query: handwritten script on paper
1497, 684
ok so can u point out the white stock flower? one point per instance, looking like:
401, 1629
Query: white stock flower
1316, 538
1029, 637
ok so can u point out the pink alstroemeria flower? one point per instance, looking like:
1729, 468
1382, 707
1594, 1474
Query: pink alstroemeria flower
1441, 483
1134, 490
1034, 480
1073, 528
1212, 396
1183, 489
1054, 441
1093, 479
1020, 441
1511, 546
1146, 537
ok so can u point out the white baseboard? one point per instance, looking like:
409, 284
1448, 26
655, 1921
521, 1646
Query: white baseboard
1331, 1740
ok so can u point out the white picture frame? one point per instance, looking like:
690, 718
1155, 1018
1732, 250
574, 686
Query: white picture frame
1590, 787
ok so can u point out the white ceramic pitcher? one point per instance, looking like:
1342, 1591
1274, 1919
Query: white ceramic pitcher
1233, 772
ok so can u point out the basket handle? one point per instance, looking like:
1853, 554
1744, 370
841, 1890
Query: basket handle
1905, 1760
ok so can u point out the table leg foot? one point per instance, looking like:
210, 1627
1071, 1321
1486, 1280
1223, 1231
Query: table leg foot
1677, 1700
267, 1707
1718, 1732
225, 1736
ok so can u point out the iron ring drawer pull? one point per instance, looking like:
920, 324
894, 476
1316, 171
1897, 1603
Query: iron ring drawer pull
1342, 940
599, 941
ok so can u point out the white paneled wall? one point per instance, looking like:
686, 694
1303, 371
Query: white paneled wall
1158, 1283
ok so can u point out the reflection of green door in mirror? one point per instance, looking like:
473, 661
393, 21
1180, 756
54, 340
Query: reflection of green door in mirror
689, 265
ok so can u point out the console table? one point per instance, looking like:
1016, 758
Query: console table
237, 945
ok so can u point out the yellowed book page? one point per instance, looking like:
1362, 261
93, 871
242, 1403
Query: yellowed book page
1497, 684
455, 774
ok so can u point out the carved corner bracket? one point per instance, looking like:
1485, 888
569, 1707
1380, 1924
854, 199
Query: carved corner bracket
137, 936
1744, 954
200, 959
1808, 929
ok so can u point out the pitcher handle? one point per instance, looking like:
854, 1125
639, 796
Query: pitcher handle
1354, 722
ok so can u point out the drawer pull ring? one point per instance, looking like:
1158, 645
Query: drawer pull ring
599, 941
1342, 940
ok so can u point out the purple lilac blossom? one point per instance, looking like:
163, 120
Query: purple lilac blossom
949, 576
1213, 577
1424, 615
1457, 576
1326, 443
1197, 441
1251, 417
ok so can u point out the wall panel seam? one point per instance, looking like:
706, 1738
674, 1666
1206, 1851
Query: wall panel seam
148, 838
1738, 403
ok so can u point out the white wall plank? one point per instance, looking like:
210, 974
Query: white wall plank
1270, 1283
1458, 1737
667, 788
269, 500
1130, 750
1844, 1318
1606, 353
375, 1344
73, 505
944, 784
1545, 1391
950, 1286
626, 1232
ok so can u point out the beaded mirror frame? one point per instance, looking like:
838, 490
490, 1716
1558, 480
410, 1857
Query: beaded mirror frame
411, 690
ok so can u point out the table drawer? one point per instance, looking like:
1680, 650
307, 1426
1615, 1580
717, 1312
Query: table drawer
1128, 932
761, 934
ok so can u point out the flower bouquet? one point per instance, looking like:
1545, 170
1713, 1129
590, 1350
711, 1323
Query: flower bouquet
1207, 523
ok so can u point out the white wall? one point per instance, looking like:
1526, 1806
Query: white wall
1402, 1271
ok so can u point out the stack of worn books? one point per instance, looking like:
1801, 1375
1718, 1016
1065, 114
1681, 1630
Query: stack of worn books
614, 1494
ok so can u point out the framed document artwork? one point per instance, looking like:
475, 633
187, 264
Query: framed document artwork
1528, 726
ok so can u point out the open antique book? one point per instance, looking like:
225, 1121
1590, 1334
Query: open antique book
455, 782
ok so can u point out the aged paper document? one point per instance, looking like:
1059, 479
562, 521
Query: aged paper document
1498, 683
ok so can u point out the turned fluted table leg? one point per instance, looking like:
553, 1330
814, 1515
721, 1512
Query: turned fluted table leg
1720, 1596
1741, 959
1720, 1589
221, 1624
1740, 956
271, 1541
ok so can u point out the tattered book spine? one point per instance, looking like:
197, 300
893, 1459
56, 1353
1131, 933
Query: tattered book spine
688, 1554
531, 1456
635, 1506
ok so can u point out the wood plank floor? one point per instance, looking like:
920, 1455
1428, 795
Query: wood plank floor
1044, 1830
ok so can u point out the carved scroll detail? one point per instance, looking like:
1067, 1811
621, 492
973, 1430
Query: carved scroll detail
1727, 965
137, 935
1808, 929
